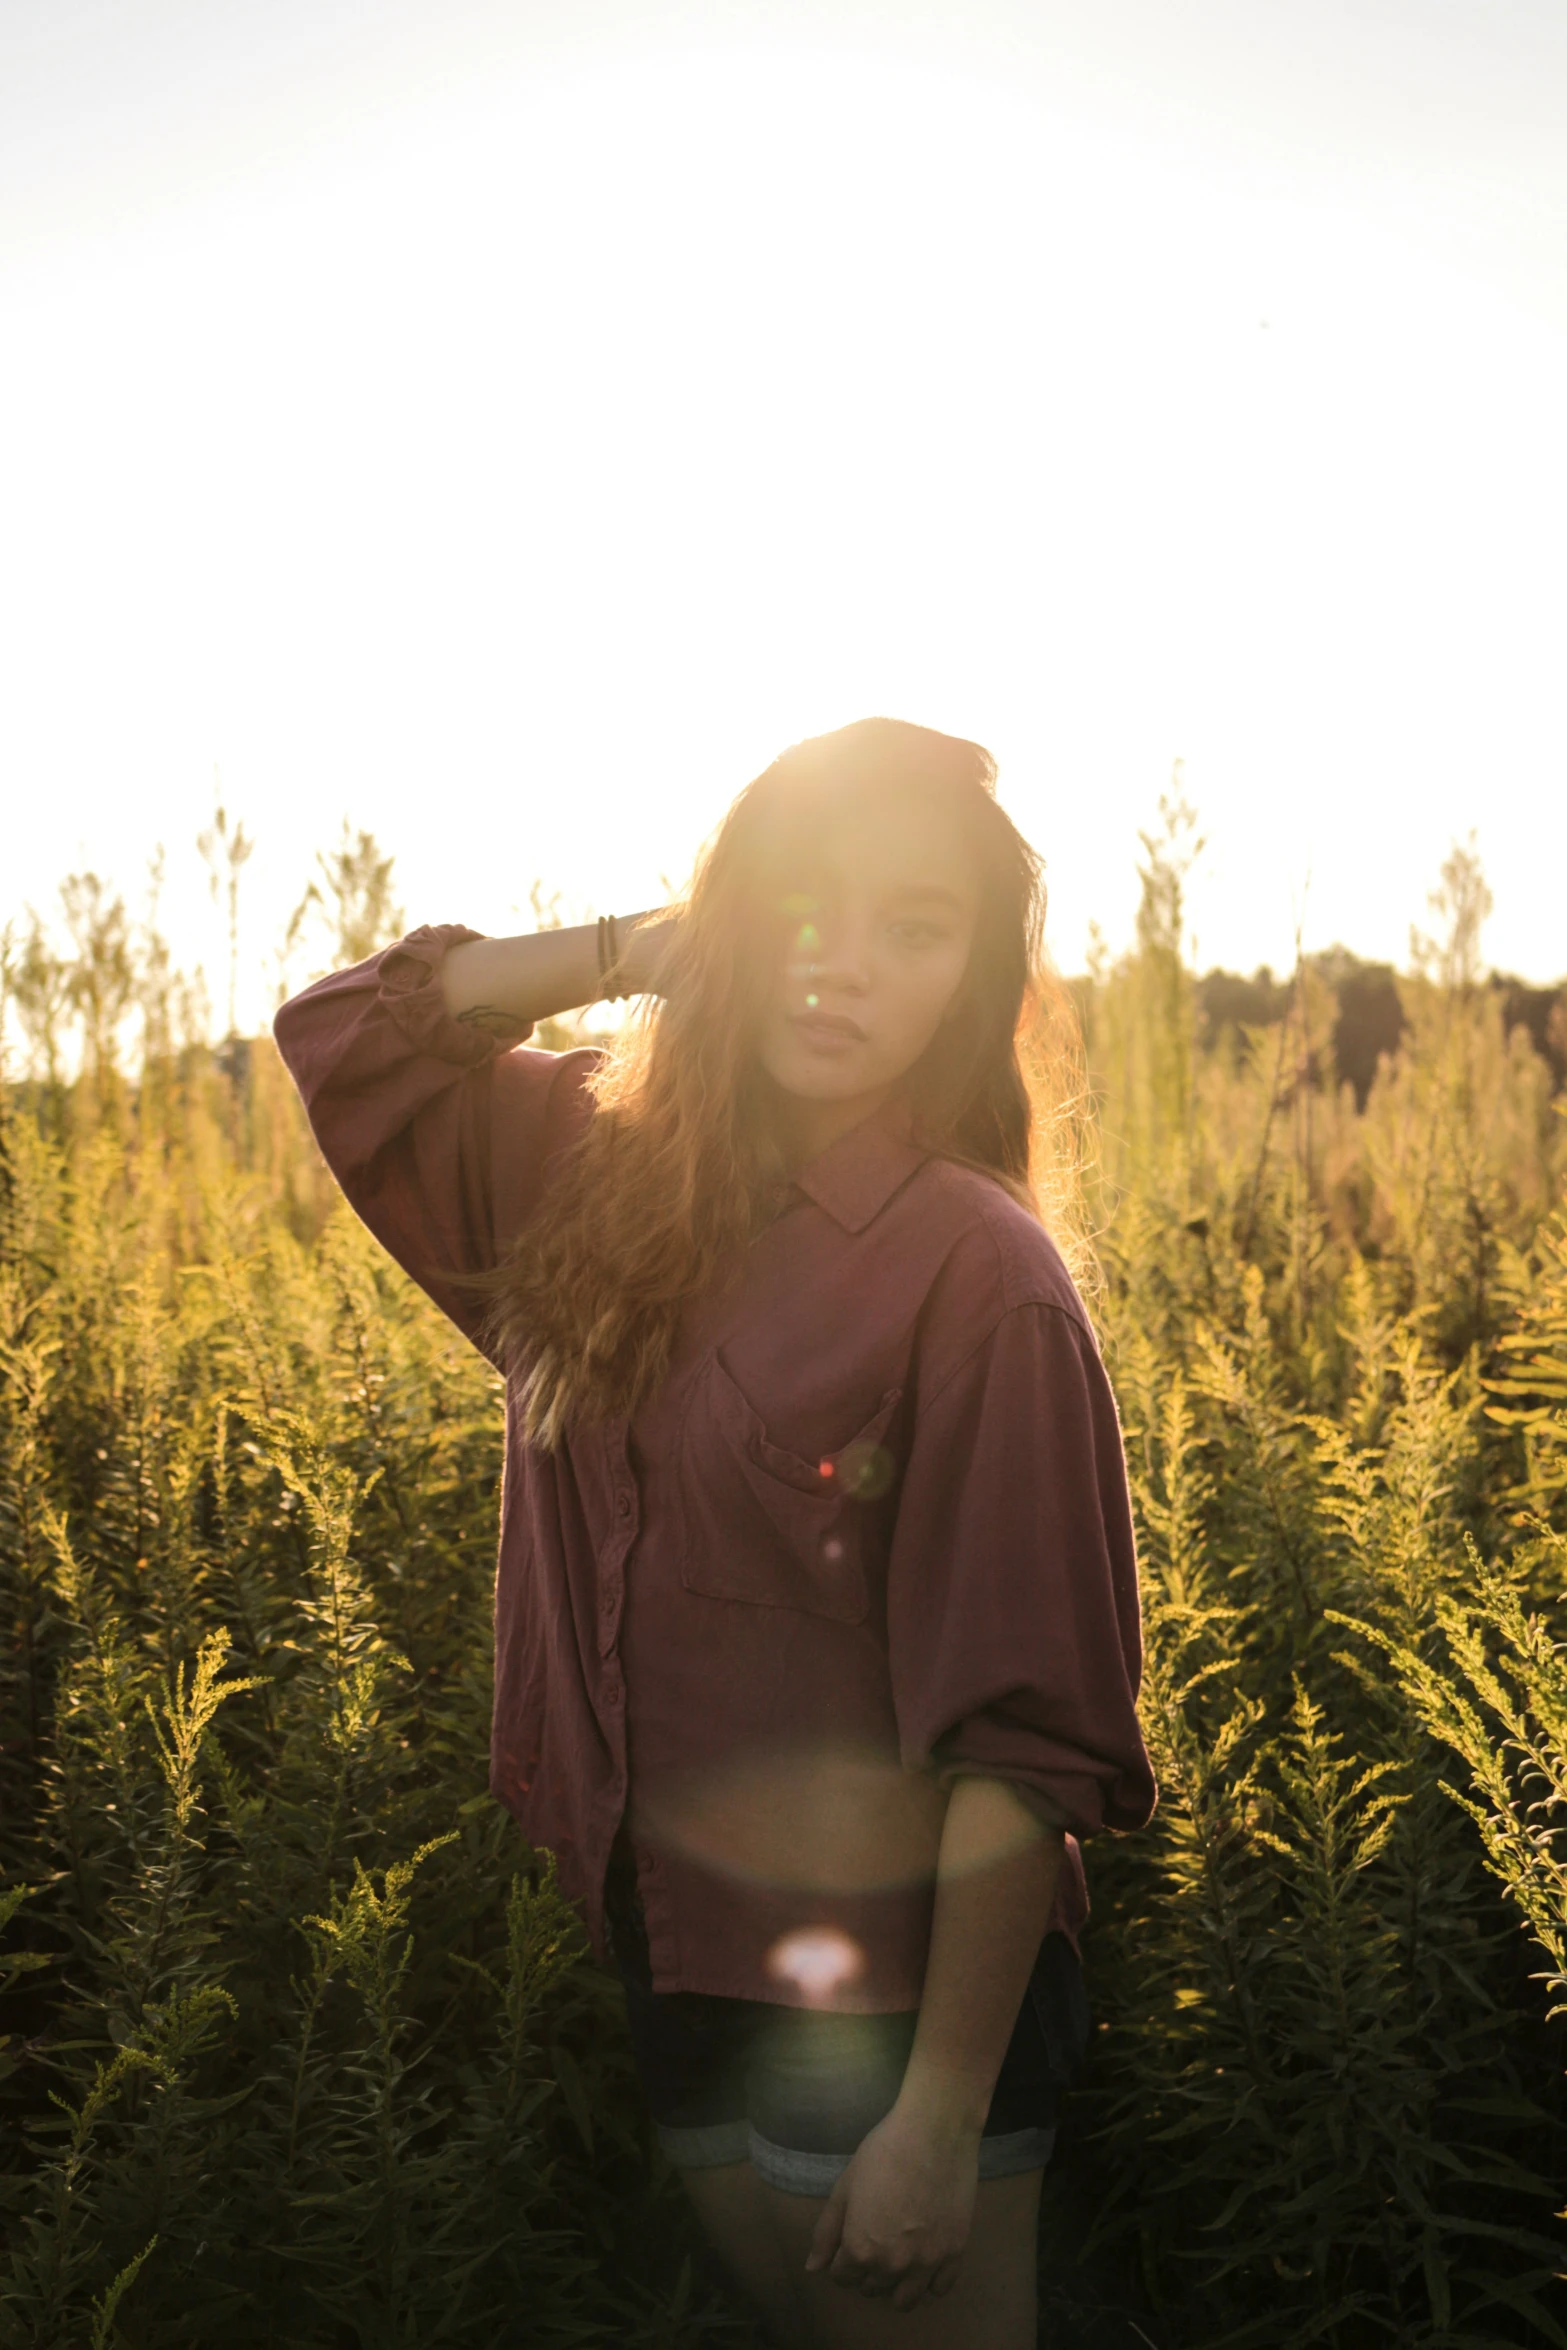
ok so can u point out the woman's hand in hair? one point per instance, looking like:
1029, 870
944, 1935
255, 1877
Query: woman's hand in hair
643, 940
898, 2220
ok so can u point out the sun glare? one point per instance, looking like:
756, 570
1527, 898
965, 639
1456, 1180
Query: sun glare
517, 470
818, 1961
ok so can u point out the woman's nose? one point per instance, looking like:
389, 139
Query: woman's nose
835, 952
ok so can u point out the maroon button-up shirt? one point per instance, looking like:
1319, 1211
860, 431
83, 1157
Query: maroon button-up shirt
871, 1531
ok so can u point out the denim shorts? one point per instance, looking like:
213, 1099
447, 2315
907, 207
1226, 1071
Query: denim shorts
793, 2090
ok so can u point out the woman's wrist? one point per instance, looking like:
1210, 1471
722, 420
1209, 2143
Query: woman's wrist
947, 2110
514, 982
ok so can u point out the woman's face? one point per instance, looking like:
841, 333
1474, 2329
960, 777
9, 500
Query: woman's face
878, 924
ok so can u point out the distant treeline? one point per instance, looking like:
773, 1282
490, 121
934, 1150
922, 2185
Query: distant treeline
1371, 1017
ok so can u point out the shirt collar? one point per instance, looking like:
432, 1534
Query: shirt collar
855, 1177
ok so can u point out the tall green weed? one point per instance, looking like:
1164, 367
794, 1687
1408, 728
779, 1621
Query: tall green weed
301, 2044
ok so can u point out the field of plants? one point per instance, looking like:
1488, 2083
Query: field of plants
299, 2044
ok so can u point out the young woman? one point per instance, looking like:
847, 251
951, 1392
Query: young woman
817, 1636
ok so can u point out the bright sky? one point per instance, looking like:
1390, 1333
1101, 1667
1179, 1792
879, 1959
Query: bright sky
507, 426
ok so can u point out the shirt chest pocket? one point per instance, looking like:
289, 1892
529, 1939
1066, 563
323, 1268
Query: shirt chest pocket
764, 1525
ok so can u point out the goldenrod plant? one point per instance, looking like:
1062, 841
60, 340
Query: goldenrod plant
300, 2044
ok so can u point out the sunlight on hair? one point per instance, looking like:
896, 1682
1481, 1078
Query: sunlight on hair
818, 1960
599, 1279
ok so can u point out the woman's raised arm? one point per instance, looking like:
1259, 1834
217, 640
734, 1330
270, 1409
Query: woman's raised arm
441, 1137
512, 983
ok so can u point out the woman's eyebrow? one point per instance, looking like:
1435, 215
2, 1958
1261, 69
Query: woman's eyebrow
925, 894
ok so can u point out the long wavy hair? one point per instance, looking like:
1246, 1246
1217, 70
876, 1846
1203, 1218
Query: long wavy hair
677, 1170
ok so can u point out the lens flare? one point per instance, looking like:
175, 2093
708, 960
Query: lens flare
864, 1471
822, 1818
802, 963
818, 1960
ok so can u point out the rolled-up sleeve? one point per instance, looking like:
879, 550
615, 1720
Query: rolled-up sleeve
1013, 1616
441, 1136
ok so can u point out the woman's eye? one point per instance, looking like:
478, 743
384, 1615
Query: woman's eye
917, 934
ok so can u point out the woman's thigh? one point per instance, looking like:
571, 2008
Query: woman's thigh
993, 2305
735, 2210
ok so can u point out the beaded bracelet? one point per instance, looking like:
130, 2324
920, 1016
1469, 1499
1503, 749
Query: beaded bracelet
610, 989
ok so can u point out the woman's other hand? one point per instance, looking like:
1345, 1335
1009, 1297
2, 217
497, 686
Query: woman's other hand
898, 2221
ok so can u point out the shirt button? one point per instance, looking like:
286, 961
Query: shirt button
623, 1505
614, 1693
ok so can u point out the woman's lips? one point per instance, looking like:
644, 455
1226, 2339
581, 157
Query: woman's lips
827, 1032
